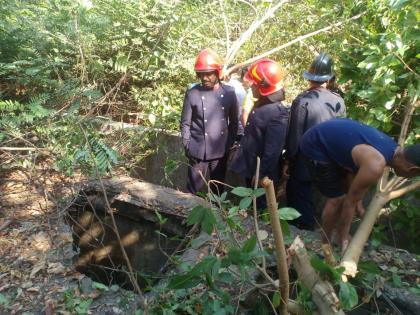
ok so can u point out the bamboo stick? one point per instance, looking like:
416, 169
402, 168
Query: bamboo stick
323, 293
279, 243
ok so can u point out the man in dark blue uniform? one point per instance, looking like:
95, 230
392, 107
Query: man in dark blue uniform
265, 130
342, 149
209, 123
315, 105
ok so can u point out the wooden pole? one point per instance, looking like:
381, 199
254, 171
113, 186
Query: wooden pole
279, 243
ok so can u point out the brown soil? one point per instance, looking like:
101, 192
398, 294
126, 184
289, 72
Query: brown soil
36, 252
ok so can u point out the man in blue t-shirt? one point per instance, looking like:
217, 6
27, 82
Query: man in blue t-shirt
345, 157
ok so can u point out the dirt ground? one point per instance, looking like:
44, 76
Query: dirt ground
36, 252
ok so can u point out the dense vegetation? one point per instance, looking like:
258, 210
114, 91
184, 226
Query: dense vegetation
68, 66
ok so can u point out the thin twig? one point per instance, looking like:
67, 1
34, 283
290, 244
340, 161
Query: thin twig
406, 65
254, 206
402, 191
407, 119
5, 224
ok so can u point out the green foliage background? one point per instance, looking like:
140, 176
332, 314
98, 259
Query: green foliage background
66, 67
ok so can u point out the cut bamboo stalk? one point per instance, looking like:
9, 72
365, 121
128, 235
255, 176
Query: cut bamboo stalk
279, 243
323, 293
354, 250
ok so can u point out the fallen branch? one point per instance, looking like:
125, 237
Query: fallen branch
279, 243
22, 149
323, 293
296, 40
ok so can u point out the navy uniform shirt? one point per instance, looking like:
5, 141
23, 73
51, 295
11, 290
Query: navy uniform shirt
209, 121
332, 142
310, 108
264, 137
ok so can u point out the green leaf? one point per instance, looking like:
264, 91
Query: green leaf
4, 300
225, 277
415, 290
183, 281
258, 192
397, 4
196, 215
204, 216
276, 299
233, 210
325, 270
285, 228
347, 295
245, 203
250, 244
288, 213
369, 267
396, 280
242, 191
209, 220
99, 286
83, 306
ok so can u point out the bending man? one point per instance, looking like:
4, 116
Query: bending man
345, 157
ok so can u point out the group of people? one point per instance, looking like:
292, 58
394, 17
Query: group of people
311, 142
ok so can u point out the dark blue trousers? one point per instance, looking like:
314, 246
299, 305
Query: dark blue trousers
211, 170
299, 196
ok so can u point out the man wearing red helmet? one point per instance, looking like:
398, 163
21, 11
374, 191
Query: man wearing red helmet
266, 127
209, 122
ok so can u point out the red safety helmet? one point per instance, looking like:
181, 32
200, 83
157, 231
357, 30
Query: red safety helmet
208, 60
267, 75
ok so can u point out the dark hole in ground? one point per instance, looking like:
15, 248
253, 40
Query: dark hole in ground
146, 240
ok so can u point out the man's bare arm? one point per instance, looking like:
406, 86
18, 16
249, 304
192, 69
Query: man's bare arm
371, 165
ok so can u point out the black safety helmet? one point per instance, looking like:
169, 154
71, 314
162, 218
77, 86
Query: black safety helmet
321, 69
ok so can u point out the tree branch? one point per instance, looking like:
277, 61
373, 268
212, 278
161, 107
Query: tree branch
298, 39
21, 149
407, 119
247, 34
402, 191
222, 6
